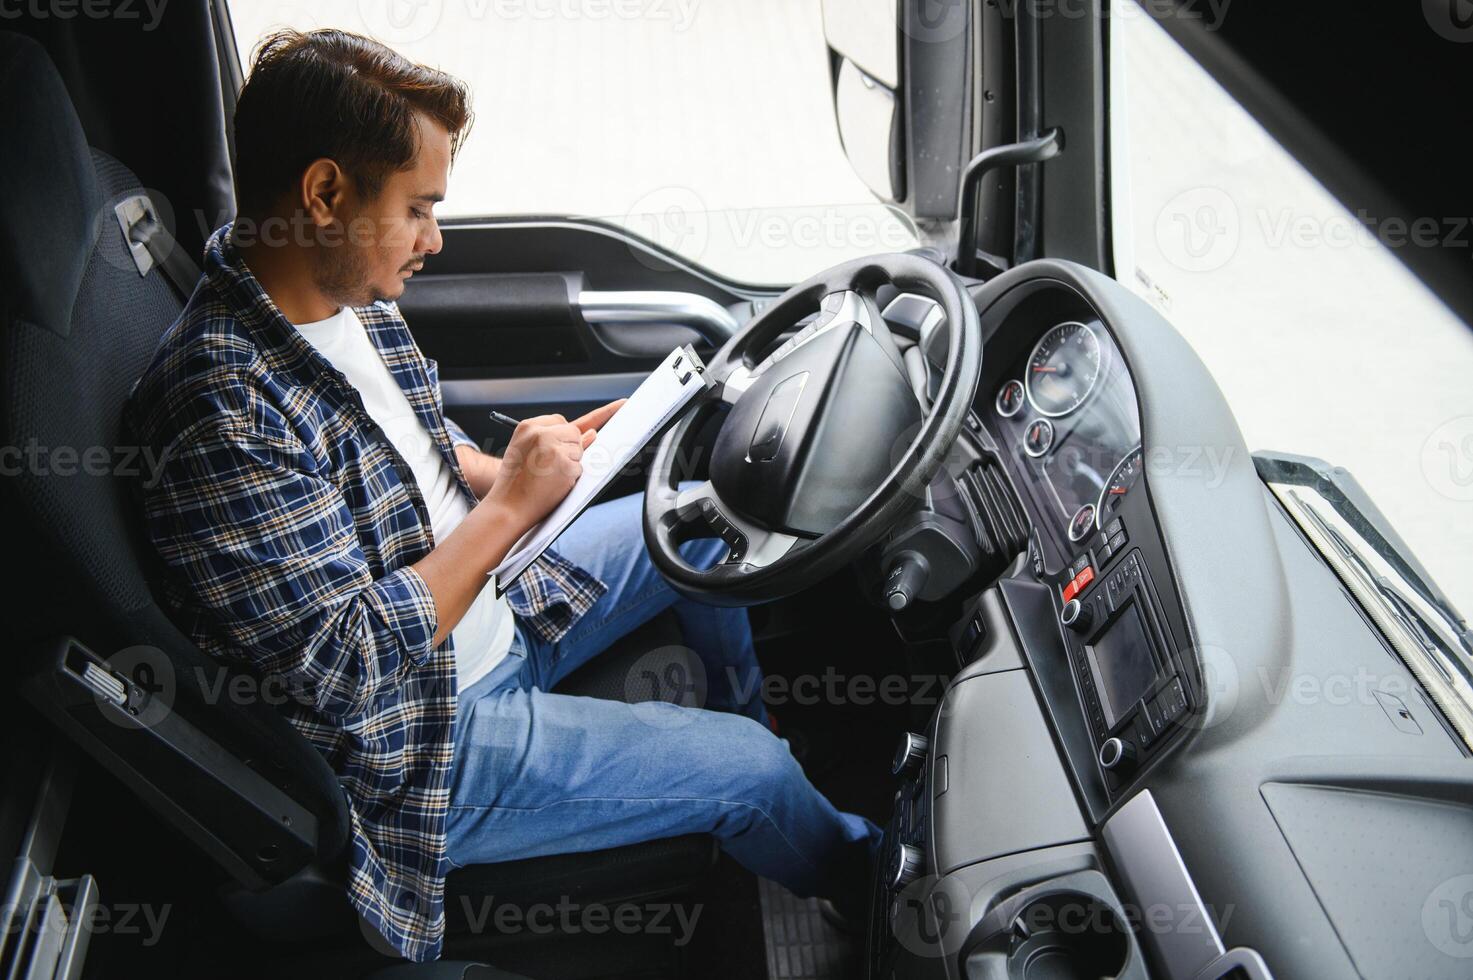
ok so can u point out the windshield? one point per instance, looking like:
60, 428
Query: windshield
1324, 344
706, 128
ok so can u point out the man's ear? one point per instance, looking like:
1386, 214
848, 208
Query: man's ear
323, 190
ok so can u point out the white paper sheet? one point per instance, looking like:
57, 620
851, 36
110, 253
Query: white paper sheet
657, 400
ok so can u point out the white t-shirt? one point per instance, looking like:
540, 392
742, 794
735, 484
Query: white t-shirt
483, 637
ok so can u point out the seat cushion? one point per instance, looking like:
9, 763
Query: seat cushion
638, 667
619, 874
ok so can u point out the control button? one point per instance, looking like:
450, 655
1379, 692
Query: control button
1117, 541
940, 778
1170, 704
906, 864
1104, 553
972, 633
906, 579
1080, 564
1115, 527
909, 755
1079, 583
1076, 616
1152, 715
1117, 755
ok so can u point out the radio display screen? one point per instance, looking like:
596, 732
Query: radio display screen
1122, 663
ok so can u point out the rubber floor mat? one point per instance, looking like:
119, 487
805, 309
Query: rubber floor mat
801, 945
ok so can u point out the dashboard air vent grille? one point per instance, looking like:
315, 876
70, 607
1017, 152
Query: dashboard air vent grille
998, 518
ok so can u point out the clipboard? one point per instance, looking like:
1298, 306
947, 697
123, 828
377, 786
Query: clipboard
654, 404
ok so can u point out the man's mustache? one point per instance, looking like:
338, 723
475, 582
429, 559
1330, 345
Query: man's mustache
414, 264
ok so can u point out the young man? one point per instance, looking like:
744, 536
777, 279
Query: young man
323, 522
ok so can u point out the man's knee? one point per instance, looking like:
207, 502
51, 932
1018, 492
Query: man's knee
761, 765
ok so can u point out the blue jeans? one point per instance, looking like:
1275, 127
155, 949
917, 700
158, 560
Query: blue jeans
539, 773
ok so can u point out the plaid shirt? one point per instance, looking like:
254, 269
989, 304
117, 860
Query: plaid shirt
287, 523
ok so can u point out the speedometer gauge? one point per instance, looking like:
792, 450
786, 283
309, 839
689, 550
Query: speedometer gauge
1063, 369
1122, 478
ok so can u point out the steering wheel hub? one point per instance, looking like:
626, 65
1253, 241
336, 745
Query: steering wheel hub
797, 451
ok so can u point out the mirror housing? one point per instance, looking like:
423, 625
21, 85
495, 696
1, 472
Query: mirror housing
901, 83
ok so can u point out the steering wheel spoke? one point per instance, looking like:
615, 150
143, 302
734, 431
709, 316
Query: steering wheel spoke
736, 383
701, 507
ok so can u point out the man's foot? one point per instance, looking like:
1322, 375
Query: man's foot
849, 921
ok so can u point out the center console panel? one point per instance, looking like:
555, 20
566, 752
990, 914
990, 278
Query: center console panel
991, 871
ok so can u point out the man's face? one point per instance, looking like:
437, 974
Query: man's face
386, 239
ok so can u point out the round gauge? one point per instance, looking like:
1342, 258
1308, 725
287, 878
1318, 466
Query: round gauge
1082, 523
1063, 369
1038, 437
1010, 398
1122, 478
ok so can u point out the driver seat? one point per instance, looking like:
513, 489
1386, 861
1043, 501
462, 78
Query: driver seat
81, 311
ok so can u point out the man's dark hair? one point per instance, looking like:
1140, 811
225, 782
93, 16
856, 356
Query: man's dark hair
334, 94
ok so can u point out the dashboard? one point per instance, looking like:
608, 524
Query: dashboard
1121, 733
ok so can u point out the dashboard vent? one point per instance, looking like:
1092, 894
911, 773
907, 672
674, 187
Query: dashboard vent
998, 518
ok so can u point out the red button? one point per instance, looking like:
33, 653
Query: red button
1079, 582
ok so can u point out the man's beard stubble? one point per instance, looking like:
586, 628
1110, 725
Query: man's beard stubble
341, 274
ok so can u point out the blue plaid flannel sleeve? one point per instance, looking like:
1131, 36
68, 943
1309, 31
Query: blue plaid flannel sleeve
268, 548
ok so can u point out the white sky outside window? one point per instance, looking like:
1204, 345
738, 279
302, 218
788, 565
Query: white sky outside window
704, 125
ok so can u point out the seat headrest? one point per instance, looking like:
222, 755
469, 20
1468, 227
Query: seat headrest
49, 200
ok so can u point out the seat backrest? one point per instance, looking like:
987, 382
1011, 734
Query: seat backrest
78, 326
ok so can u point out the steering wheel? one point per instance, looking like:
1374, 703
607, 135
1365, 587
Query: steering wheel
825, 444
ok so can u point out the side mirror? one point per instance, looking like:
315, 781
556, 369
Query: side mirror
900, 71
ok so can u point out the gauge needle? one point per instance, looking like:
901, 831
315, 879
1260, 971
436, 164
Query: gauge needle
1045, 370
1117, 490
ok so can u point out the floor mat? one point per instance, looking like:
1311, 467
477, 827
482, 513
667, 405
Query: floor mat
801, 945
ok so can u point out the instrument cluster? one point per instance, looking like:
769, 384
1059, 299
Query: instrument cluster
1067, 413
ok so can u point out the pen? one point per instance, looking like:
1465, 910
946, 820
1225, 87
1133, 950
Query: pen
505, 420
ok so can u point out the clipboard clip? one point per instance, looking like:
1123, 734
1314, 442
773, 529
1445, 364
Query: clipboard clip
696, 366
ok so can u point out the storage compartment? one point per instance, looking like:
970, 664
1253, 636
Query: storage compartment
1007, 789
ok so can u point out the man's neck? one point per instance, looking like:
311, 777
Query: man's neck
284, 273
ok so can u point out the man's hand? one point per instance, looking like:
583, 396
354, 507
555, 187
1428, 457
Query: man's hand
539, 468
594, 420
543, 462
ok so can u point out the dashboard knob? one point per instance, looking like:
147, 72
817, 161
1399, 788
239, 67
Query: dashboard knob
906, 864
906, 579
1076, 615
910, 755
1117, 755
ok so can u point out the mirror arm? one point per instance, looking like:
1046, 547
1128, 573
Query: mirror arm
1036, 150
